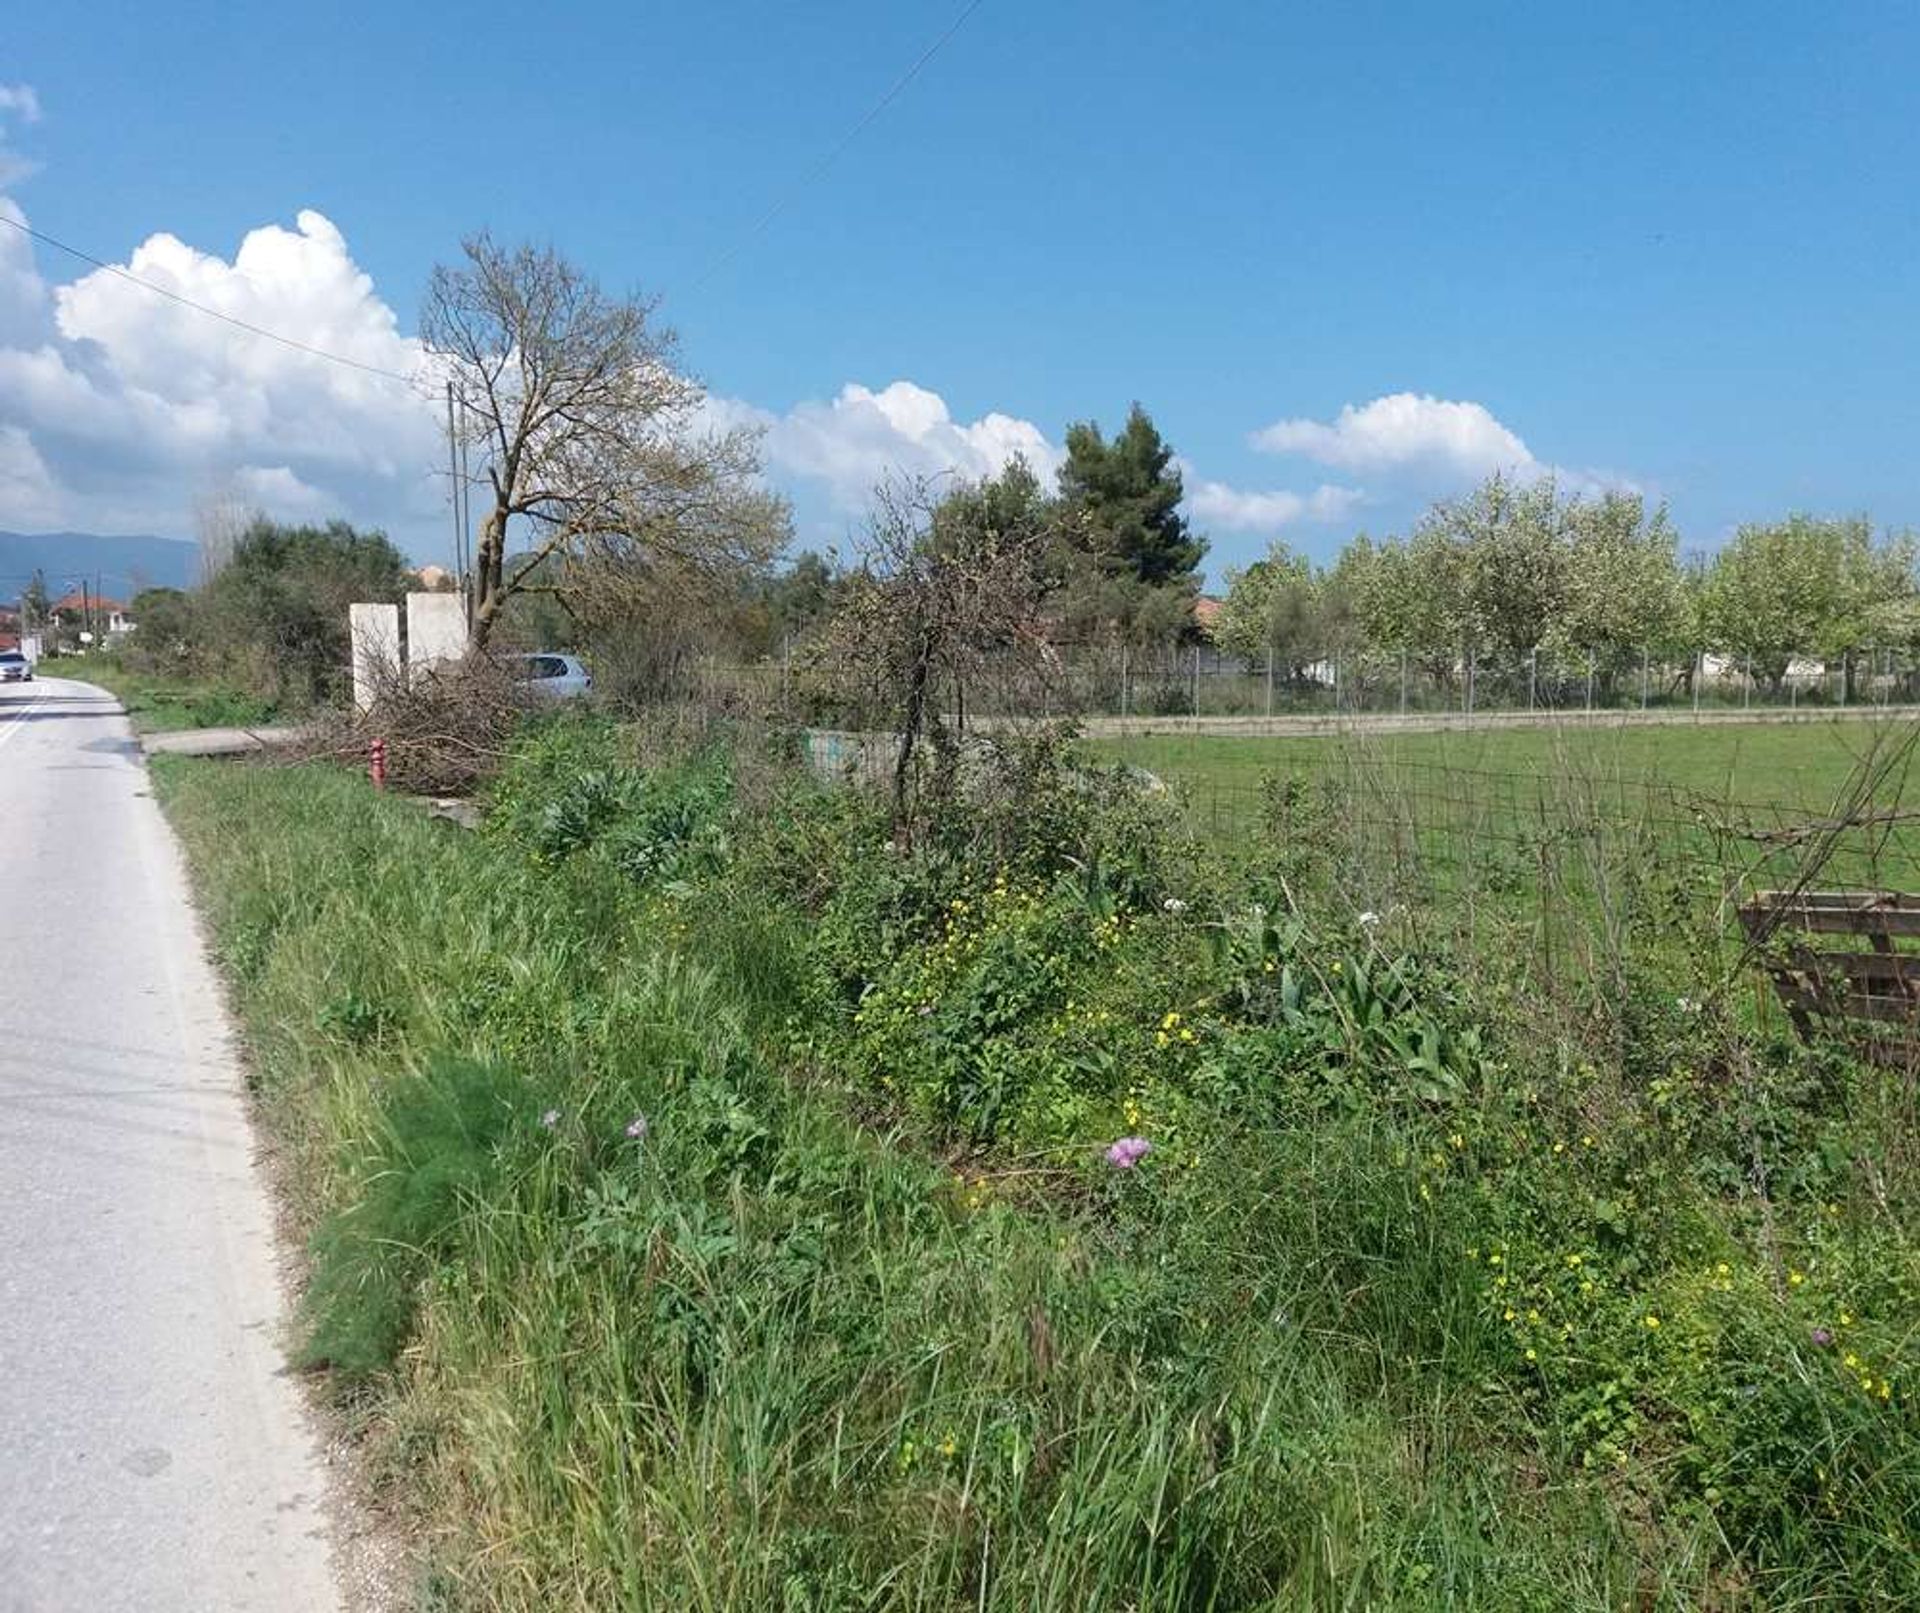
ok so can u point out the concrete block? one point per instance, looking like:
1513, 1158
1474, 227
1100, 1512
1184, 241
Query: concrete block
376, 649
436, 632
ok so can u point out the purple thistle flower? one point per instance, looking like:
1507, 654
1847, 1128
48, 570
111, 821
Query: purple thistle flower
1128, 1152
1822, 1337
550, 1119
637, 1128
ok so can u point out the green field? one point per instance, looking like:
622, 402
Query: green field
1740, 805
1797, 765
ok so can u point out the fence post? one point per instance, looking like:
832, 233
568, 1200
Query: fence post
1746, 687
1643, 678
1533, 674
1196, 680
1269, 683
1843, 679
1403, 683
1590, 671
1123, 680
1472, 656
1699, 677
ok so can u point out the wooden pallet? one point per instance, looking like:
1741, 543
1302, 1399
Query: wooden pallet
1877, 987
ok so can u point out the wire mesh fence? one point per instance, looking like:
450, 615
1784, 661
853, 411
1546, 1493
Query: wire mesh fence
1180, 681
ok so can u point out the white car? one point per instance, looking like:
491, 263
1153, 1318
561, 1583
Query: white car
15, 667
552, 675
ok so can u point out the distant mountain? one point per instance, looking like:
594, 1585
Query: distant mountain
119, 567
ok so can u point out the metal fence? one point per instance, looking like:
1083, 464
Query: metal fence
1199, 681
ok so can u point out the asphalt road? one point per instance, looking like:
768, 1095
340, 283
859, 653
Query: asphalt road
154, 1455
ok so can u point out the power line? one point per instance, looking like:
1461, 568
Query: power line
201, 308
782, 202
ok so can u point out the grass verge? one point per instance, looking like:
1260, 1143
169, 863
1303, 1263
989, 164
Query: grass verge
157, 704
711, 1201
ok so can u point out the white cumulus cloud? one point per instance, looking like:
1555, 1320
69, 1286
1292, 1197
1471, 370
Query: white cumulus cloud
20, 101
1240, 510
1406, 432
134, 406
850, 443
27, 493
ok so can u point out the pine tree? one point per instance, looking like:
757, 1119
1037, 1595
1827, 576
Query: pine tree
1123, 498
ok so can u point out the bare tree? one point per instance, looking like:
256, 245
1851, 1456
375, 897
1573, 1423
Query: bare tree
221, 515
590, 432
946, 586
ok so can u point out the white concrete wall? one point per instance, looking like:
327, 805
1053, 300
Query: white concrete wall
436, 632
376, 649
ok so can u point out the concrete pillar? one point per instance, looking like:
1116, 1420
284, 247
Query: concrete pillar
436, 633
376, 650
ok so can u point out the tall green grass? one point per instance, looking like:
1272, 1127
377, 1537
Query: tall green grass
160, 703
782, 1347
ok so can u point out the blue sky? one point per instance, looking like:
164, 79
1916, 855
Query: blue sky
1672, 247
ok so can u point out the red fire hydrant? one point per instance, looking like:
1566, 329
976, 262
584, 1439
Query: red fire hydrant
377, 771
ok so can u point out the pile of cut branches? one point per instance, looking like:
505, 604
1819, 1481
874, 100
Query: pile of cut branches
446, 729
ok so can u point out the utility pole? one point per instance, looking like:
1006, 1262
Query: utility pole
466, 527
453, 492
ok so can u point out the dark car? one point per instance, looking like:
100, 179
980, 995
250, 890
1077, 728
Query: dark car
15, 667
